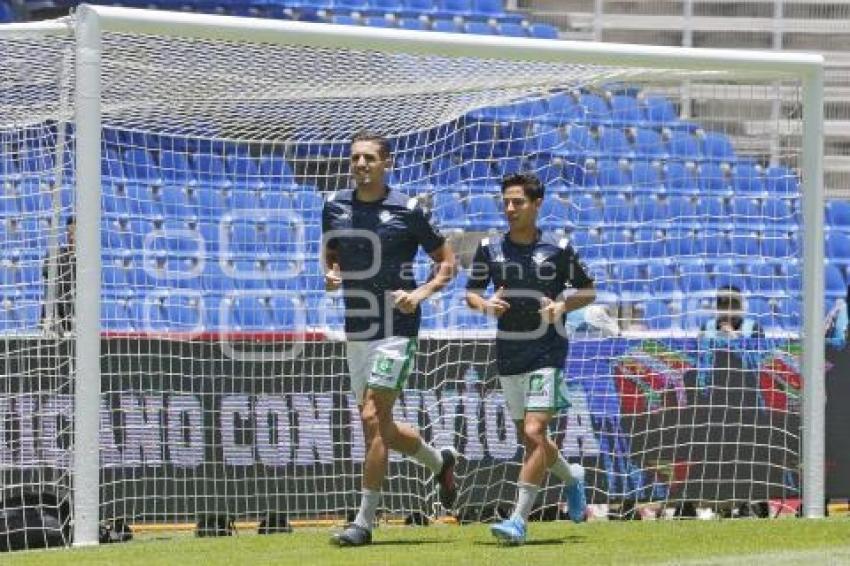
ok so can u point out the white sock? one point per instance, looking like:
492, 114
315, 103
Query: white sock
429, 456
566, 472
526, 495
368, 506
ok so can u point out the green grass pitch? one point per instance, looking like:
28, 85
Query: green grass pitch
745, 541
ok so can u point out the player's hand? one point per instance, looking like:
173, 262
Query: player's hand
333, 279
496, 305
406, 301
727, 330
551, 311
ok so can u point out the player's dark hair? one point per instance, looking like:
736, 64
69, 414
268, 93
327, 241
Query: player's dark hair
530, 183
728, 294
367, 136
71, 221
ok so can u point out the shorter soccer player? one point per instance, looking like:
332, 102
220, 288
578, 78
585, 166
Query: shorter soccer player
530, 272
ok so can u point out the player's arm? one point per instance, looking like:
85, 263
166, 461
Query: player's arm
479, 278
330, 253
434, 243
582, 293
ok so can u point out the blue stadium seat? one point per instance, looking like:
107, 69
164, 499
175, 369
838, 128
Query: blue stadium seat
448, 212
649, 243
461, 8
629, 279
613, 176
712, 211
585, 211
659, 111
114, 315
617, 209
288, 311
379, 22
214, 279
18, 315
554, 214
249, 274
210, 168
746, 211
178, 202
681, 209
837, 246
251, 313
746, 243
650, 210
588, 243
626, 111
649, 145
779, 244
835, 283
837, 213
309, 205
684, 147
620, 245
545, 140
212, 201
244, 199
111, 168
597, 111
580, 143
445, 26
344, 20
512, 29
782, 181
564, 109
718, 148
275, 171
765, 280
479, 28
173, 313
445, 171
243, 239
281, 238
645, 178
613, 144
483, 213
663, 282
747, 180
174, 166
243, 170
478, 172
680, 242
694, 278
409, 170
713, 243
140, 166
713, 180
543, 31
679, 179
657, 315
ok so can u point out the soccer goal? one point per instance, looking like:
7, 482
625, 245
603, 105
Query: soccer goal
196, 367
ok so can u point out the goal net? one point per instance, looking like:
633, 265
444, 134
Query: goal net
223, 382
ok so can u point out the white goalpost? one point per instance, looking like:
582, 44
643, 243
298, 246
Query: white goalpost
205, 375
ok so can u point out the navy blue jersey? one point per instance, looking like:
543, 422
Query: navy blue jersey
398, 225
527, 272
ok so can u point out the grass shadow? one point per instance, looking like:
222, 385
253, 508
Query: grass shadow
572, 539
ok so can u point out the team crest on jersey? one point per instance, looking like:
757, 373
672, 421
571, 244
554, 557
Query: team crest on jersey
385, 216
539, 258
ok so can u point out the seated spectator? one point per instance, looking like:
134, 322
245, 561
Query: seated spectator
731, 320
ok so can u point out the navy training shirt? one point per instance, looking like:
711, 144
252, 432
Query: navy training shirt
527, 272
399, 225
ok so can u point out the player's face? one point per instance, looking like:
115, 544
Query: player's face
368, 166
520, 210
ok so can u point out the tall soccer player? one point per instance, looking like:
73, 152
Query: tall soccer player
371, 236
538, 279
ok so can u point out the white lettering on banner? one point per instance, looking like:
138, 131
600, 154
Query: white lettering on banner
273, 433
358, 441
142, 430
235, 407
110, 457
442, 415
495, 411
56, 414
314, 428
185, 439
580, 440
26, 414
474, 450
5, 444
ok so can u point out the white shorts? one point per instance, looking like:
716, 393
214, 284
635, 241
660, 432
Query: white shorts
379, 364
542, 390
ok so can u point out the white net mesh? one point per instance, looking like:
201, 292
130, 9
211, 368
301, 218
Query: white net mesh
225, 388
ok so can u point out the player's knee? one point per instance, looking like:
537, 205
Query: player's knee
369, 416
388, 431
535, 435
